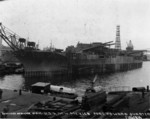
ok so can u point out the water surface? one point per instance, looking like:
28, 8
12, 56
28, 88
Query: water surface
137, 77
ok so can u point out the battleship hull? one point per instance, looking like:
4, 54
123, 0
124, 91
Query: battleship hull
38, 62
42, 62
50, 63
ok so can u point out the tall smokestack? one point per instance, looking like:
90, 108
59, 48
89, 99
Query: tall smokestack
118, 43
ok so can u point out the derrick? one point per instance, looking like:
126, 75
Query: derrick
12, 39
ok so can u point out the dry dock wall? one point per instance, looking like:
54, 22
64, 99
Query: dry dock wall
90, 66
106, 65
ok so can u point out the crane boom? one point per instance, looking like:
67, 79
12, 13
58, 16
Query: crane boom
92, 83
95, 78
6, 34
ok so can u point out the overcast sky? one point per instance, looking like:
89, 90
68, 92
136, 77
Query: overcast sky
65, 22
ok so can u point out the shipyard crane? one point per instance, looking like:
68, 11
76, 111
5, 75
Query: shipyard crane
9, 37
99, 45
13, 40
107, 43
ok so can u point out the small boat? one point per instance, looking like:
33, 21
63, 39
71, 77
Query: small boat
11, 68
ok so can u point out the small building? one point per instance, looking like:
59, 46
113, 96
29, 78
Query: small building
41, 88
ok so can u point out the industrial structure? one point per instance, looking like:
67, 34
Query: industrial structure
92, 58
118, 43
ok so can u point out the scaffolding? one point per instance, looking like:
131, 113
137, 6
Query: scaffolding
118, 43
